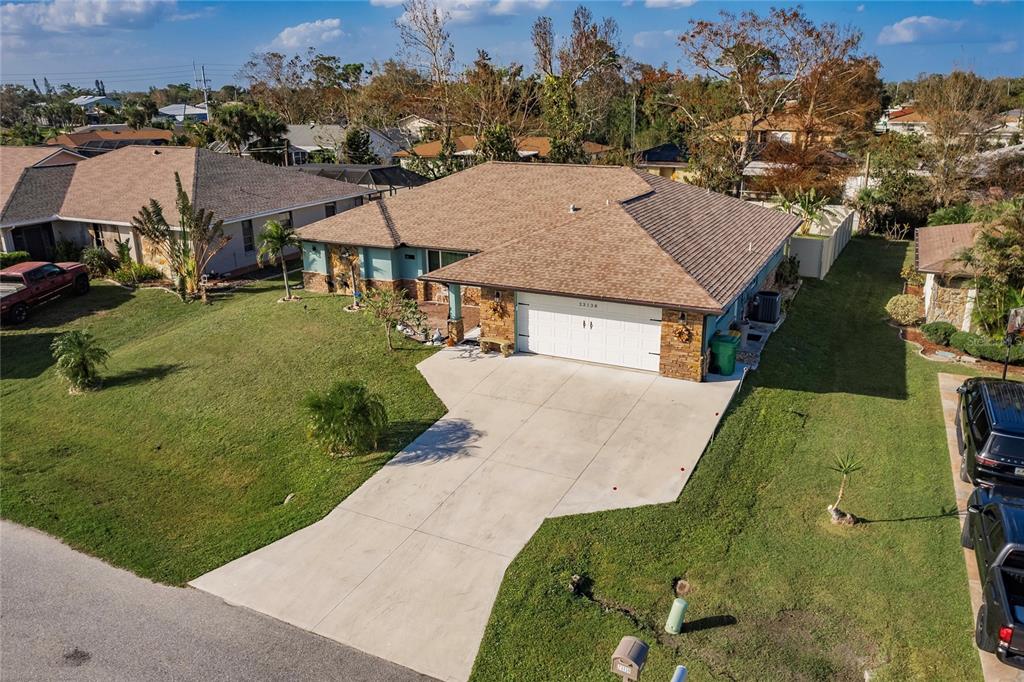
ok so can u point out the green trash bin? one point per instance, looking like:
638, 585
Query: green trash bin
723, 354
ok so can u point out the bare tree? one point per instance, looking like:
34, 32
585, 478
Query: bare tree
959, 108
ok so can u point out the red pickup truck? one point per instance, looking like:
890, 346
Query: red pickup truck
27, 284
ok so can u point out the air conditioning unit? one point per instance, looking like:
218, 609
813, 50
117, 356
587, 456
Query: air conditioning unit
767, 307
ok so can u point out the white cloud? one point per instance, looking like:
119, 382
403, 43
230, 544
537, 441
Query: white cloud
648, 39
1004, 47
309, 34
860, 8
669, 4
470, 11
926, 29
82, 16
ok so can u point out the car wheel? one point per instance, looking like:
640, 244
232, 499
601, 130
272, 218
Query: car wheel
82, 284
19, 313
981, 637
964, 475
965, 535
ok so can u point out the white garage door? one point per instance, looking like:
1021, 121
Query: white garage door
594, 331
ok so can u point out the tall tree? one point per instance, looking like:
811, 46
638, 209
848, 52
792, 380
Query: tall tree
275, 241
268, 131
497, 143
357, 146
959, 108
232, 125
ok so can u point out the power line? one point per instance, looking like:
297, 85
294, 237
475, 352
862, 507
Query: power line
102, 72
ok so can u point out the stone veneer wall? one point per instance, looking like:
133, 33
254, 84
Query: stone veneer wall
682, 345
315, 282
498, 316
948, 304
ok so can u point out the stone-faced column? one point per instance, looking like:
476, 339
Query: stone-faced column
456, 327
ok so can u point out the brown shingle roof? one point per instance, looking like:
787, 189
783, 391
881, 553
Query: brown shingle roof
14, 161
78, 139
939, 246
602, 253
114, 186
481, 207
39, 194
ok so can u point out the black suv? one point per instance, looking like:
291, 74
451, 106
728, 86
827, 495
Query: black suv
994, 529
990, 431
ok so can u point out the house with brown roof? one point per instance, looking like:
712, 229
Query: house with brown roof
949, 292
606, 264
92, 202
94, 140
782, 126
530, 147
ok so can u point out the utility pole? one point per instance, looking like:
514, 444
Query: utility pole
206, 92
632, 126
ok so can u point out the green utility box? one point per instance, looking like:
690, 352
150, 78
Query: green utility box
723, 354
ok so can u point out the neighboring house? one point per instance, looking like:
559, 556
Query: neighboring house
92, 203
949, 292
599, 263
306, 139
667, 160
91, 102
414, 128
1006, 130
183, 112
905, 120
783, 126
531, 147
386, 179
99, 139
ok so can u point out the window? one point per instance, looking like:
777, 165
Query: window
248, 240
330, 209
97, 236
439, 259
284, 218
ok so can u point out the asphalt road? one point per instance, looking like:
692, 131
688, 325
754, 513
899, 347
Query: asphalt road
68, 616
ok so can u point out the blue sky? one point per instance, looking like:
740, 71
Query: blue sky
135, 43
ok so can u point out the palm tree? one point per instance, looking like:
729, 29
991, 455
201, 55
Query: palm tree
274, 241
77, 356
809, 205
269, 131
846, 465
232, 124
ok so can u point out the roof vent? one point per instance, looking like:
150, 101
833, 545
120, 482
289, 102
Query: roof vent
572, 208
156, 152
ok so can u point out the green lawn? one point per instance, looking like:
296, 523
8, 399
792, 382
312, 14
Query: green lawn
750, 531
184, 458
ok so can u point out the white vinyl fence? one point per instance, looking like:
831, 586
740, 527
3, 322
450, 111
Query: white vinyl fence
821, 246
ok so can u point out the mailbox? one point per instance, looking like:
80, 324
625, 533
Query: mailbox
629, 658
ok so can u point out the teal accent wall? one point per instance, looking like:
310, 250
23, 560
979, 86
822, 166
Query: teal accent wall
314, 257
410, 268
378, 264
735, 310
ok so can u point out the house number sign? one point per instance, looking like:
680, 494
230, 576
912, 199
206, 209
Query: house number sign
586, 304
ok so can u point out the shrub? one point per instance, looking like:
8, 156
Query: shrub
133, 273
904, 309
788, 271
12, 257
911, 276
348, 418
67, 251
986, 349
124, 252
965, 342
99, 261
938, 332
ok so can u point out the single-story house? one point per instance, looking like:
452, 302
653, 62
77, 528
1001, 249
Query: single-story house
98, 139
91, 102
183, 112
414, 128
92, 202
600, 263
786, 125
531, 147
949, 292
668, 160
386, 179
306, 139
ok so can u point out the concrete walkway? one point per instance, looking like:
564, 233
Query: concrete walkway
68, 616
408, 566
991, 668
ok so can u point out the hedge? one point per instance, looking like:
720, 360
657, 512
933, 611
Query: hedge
985, 348
12, 257
938, 332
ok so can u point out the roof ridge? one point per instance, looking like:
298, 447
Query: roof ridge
388, 222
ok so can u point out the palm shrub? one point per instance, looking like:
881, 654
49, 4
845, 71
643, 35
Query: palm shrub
845, 465
97, 260
77, 355
904, 309
274, 241
938, 332
346, 419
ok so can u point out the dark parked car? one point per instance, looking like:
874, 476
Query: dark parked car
27, 284
990, 431
994, 529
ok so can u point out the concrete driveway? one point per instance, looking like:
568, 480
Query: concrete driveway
408, 566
